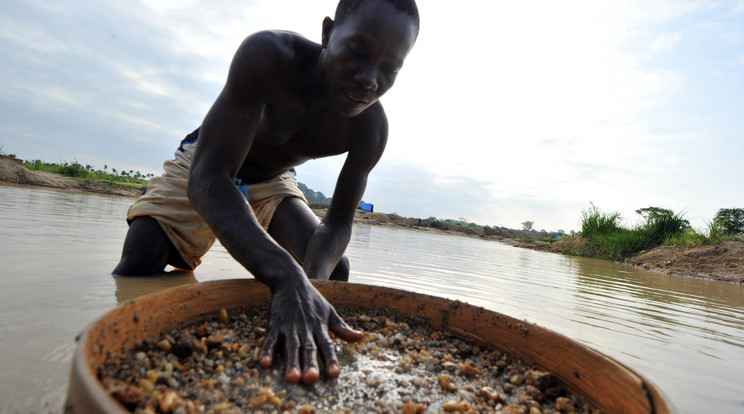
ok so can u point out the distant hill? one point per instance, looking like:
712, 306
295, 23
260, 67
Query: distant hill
314, 196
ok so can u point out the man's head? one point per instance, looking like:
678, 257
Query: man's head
365, 48
347, 7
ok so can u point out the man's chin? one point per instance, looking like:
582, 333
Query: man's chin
351, 114
352, 110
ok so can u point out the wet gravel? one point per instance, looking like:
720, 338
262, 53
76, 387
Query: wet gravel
401, 366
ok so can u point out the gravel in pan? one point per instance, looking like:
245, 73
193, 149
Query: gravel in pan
401, 366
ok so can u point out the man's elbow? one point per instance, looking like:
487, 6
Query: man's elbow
195, 187
338, 224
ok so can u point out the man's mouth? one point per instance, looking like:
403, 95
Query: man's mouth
357, 99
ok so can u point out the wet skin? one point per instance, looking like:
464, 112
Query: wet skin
288, 100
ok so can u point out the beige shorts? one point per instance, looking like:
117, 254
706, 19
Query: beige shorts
165, 200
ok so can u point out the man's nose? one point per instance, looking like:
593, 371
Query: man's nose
367, 79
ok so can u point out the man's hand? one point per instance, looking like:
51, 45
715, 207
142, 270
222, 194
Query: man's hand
301, 317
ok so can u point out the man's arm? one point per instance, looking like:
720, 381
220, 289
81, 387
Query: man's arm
334, 232
225, 138
299, 315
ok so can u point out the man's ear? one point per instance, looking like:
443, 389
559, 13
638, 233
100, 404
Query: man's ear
327, 28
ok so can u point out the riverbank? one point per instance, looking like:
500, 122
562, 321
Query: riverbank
722, 262
13, 171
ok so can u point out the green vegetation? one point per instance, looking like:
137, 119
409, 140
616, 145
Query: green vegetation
731, 221
87, 172
606, 238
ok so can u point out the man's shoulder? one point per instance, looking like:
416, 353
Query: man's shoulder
277, 47
368, 131
373, 120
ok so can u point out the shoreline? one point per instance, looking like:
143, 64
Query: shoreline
13, 172
723, 262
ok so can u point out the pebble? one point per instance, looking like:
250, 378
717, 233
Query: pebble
222, 317
183, 347
164, 345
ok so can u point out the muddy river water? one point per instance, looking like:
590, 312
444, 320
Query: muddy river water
57, 250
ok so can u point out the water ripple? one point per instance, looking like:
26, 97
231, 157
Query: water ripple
686, 335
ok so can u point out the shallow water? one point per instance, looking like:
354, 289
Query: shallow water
685, 335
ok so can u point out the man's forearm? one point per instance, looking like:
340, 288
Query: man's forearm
325, 249
223, 207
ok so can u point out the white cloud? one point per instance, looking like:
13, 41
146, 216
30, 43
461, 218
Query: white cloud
738, 6
664, 42
504, 111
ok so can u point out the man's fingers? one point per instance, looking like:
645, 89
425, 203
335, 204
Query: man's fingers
310, 372
292, 348
342, 330
328, 352
267, 350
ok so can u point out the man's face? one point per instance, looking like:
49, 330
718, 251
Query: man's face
364, 54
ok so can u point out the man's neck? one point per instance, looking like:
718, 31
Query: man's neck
314, 89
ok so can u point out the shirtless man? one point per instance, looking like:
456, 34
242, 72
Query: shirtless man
286, 100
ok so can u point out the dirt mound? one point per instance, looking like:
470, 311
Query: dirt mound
724, 262
13, 172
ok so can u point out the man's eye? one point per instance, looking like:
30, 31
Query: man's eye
356, 50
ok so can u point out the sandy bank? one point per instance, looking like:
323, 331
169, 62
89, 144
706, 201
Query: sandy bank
13, 172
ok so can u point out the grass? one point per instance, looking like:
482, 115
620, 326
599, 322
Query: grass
76, 170
597, 223
713, 235
606, 238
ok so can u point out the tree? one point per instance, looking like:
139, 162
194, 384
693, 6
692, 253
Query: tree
732, 220
654, 214
650, 213
527, 225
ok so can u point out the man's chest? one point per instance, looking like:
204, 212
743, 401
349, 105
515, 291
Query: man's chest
294, 133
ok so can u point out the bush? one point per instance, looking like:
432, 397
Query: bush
611, 241
663, 226
594, 222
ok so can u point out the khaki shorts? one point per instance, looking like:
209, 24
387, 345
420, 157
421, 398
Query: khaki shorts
166, 201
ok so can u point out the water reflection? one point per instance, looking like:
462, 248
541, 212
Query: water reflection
130, 288
684, 334
58, 249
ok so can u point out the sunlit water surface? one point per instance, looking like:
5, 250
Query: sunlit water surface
57, 251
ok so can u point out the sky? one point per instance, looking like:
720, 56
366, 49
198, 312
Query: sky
504, 112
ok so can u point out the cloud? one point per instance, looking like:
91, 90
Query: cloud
504, 111
664, 42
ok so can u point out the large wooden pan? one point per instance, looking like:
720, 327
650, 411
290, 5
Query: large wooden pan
609, 385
